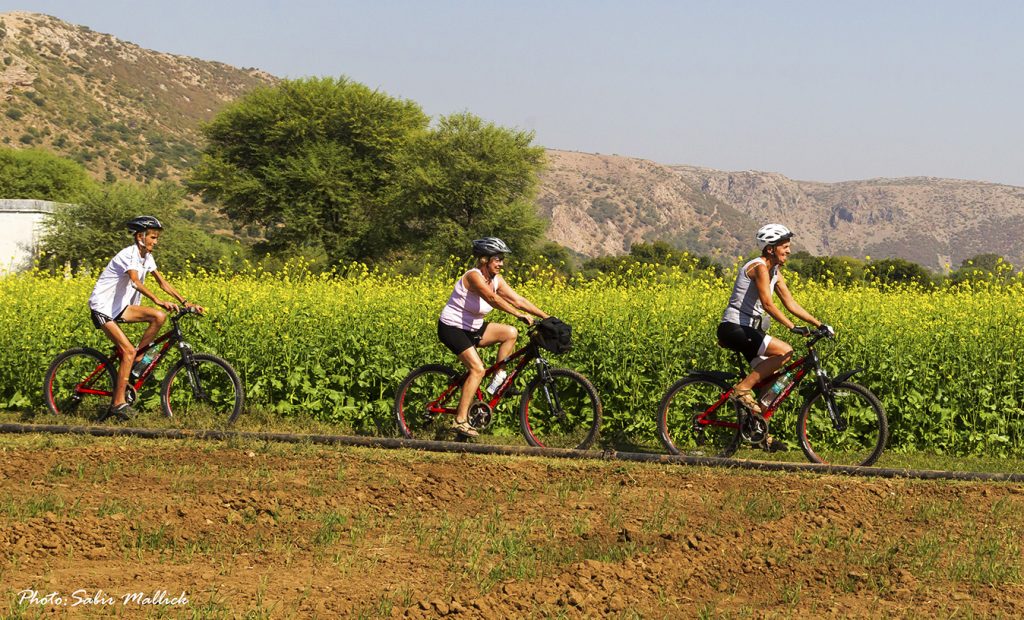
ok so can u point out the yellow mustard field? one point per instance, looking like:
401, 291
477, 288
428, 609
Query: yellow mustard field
946, 363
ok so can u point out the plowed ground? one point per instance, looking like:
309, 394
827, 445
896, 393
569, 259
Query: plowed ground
255, 530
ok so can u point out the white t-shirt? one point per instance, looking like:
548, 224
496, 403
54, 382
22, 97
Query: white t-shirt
114, 290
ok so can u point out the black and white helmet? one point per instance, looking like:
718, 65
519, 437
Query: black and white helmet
773, 234
490, 246
144, 223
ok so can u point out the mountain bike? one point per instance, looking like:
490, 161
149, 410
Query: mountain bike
559, 407
839, 423
199, 386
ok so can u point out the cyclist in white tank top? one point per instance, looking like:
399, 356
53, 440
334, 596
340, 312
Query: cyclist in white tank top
745, 319
461, 326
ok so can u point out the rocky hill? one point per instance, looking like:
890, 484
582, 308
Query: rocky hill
602, 204
121, 110
128, 112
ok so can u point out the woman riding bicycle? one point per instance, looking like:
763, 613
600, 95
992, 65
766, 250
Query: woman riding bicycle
744, 324
462, 327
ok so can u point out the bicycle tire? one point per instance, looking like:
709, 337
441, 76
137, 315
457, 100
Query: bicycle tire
222, 396
682, 402
70, 370
415, 392
861, 443
576, 429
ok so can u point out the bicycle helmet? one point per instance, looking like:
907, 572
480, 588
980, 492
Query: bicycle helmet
490, 246
773, 234
144, 223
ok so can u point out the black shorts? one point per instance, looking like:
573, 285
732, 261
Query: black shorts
457, 339
743, 338
99, 319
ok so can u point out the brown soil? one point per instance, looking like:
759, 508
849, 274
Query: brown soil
284, 531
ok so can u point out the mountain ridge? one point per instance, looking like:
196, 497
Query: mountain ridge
126, 112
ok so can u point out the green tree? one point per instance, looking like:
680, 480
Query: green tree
88, 233
40, 175
837, 269
309, 161
465, 179
988, 267
898, 271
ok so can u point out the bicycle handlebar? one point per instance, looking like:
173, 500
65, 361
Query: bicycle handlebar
824, 331
183, 312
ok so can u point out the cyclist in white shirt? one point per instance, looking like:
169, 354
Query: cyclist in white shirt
116, 296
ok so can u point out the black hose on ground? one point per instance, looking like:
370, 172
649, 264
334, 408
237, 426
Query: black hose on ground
474, 448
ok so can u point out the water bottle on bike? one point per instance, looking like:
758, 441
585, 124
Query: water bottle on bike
780, 385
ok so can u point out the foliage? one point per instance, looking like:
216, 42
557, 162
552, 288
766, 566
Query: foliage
943, 361
658, 253
983, 267
309, 162
40, 175
834, 269
462, 180
898, 271
87, 234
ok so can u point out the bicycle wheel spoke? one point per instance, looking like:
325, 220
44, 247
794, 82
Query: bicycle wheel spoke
687, 425
209, 393
417, 394
857, 437
564, 412
79, 383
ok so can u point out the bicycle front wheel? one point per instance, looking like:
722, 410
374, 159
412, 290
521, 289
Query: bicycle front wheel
686, 424
79, 382
563, 412
208, 392
423, 400
855, 435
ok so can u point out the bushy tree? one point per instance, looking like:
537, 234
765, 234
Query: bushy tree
40, 175
836, 269
88, 233
309, 161
898, 271
983, 267
464, 179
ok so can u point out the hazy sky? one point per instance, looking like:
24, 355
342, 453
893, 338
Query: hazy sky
816, 90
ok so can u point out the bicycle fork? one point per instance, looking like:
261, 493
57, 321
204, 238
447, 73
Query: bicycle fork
550, 395
191, 371
834, 414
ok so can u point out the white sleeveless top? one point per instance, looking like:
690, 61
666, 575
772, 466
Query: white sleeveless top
745, 304
466, 309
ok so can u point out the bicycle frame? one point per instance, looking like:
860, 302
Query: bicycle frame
810, 361
525, 355
165, 341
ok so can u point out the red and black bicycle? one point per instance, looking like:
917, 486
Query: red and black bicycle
559, 407
839, 423
200, 387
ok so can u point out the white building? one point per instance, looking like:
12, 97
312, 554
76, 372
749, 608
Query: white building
20, 224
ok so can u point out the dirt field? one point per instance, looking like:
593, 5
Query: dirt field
255, 530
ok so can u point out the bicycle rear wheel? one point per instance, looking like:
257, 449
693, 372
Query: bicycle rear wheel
79, 382
207, 393
679, 419
416, 393
857, 439
563, 412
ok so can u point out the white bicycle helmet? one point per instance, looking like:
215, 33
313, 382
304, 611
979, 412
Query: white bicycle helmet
773, 234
